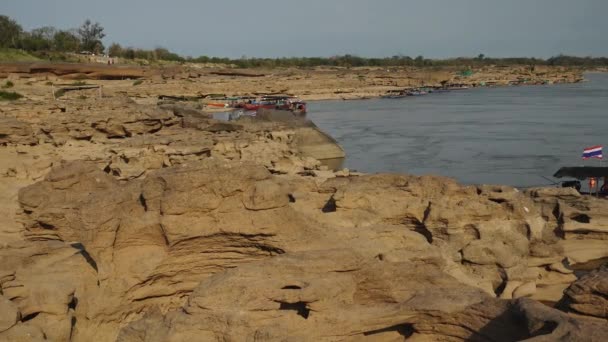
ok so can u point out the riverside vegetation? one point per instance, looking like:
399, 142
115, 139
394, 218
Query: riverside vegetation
51, 43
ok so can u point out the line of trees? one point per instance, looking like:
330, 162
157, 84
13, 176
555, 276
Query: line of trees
88, 38
402, 61
116, 50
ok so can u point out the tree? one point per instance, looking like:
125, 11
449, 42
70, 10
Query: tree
66, 41
45, 32
161, 53
10, 32
91, 36
129, 53
30, 42
115, 50
40, 39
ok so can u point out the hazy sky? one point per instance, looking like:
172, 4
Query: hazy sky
276, 28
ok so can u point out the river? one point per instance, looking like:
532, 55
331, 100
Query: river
504, 135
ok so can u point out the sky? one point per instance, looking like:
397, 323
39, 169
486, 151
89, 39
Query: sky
306, 28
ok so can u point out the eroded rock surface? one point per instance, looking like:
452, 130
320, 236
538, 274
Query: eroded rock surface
589, 295
244, 252
156, 223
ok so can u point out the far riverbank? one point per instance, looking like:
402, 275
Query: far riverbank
320, 83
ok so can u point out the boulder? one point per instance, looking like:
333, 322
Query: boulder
589, 294
15, 132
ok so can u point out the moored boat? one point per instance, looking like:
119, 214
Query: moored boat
581, 173
279, 102
457, 87
417, 92
396, 96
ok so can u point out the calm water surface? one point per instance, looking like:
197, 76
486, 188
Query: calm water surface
510, 135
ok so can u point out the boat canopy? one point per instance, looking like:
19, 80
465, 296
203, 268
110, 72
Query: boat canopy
582, 172
278, 97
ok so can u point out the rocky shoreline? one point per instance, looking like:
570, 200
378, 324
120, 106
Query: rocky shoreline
321, 83
127, 219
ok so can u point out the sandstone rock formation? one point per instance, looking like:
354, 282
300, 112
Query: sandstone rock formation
73, 70
250, 254
138, 222
589, 294
197, 80
337, 295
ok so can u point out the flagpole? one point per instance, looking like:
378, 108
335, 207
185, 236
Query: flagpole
597, 192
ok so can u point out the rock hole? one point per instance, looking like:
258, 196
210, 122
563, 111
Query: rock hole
528, 231
479, 191
85, 255
107, 169
73, 322
330, 206
545, 329
421, 229
142, 201
299, 307
269, 249
501, 288
291, 198
556, 212
558, 231
581, 218
498, 200
405, 330
472, 231
30, 317
291, 287
203, 153
380, 257
73, 303
46, 226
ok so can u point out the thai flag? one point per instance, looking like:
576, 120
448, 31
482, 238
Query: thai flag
593, 152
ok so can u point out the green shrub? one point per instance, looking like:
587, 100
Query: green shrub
59, 93
138, 82
8, 84
9, 96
